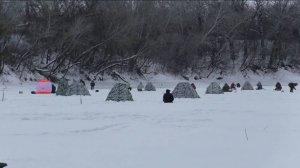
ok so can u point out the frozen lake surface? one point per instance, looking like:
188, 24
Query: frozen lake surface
242, 129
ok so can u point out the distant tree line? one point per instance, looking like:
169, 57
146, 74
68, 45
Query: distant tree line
179, 37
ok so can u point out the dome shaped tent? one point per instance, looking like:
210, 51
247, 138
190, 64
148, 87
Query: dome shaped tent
140, 87
247, 86
119, 92
214, 88
150, 87
259, 86
226, 88
44, 87
77, 88
63, 87
185, 90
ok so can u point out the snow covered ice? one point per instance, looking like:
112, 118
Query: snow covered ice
242, 129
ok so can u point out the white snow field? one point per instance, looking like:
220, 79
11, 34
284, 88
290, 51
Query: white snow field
242, 129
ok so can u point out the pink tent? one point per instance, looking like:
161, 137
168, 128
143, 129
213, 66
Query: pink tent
44, 87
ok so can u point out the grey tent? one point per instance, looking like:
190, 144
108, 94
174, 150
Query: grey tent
185, 90
259, 86
119, 92
150, 87
247, 86
78, 88
140, 87
63, 87
214, 88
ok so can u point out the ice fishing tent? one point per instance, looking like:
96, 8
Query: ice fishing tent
119, 92
214, 88
140, 87
247, 86
259, 86
63, 87
77, 88
226, 88
185, 90
150, 87
44, 87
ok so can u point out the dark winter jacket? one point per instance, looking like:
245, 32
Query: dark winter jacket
292, 86
3, 165
92, 84
168, 97
278, 86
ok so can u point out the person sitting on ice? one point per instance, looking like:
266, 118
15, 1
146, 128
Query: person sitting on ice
259, 86
232, 86
3, 165
168, 97
278, 86
238, 85
226, 88
292, 86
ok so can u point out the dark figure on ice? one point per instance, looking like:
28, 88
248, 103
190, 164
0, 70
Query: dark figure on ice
92, 85
168, 97
238, 85
53, 89
3, 165
232, 86
278, 86
226, 88
193, 85
259, 86
292, 86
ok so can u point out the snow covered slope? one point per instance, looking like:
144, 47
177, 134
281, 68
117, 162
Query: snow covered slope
243, 129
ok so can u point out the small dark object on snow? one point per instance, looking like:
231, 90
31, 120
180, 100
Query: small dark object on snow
232, 86
259, 86
53, 89
219, 78
197, 77
193, 85
96, 90
292, 86
168, 97
278, 86
129, 88
226, 88
20, 92
238, 85
3, 165
92, 85
33, 92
